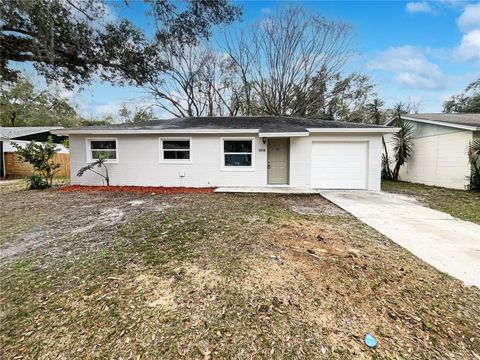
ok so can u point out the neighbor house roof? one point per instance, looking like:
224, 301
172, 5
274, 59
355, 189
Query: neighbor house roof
12, 133
462, 121
264, 125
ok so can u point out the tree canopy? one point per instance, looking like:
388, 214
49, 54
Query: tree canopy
135, 116
467, 102
291, 62
23, 104
70, 41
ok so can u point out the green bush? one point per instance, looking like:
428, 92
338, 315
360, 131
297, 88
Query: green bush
40, 156
475, 180
474, 160
35, 181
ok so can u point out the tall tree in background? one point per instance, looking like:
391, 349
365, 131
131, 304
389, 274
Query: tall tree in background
196, 83
70, 40
375, 112
22, 104
468, 102
137, 115
291, 63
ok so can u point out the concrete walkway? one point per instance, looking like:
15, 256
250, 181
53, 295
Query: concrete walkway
450, 245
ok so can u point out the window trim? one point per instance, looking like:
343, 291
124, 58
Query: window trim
89, 150
162, 160
236, 168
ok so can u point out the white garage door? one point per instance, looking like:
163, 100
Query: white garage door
339, 165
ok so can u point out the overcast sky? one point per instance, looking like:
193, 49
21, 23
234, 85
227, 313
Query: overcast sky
417, 51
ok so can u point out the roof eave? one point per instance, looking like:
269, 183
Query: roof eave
66, 132
284, 134
152, 131
354, 130
440, 123
32, 131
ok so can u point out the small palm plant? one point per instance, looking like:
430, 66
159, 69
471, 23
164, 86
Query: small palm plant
474, 160
98, 163
402, 146
402, 143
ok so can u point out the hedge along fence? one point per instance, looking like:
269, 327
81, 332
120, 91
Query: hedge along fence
15, 167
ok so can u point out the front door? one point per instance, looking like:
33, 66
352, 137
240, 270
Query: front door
278, 155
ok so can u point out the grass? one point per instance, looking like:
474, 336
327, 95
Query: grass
461, 204
116, 275
20, 184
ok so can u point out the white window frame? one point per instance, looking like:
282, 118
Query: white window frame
237, 168
162, 160
89, 150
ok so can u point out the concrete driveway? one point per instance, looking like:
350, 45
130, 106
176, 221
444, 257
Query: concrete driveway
450, 245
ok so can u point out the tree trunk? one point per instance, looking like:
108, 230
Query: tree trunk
13, 117
396, 171
386, 155
107, 178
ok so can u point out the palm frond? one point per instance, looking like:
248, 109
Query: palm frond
97, 163
403, 146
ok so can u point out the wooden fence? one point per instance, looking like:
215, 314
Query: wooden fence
15, 167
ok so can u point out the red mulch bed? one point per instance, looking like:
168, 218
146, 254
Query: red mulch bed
139, 189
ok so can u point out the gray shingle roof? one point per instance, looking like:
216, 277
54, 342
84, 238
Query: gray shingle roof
267, 124
458, 119
7, 133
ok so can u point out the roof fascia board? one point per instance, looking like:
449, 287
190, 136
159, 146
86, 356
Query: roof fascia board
440, 123
32, 131
154, 131
353, 130
283, 134
221, 131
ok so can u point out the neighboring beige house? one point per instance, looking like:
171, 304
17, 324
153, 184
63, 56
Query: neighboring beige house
440, 148
232, 151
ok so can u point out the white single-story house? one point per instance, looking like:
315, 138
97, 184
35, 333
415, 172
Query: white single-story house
440, 146
254, 151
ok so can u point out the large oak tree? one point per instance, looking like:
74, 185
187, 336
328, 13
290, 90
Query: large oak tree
73, 41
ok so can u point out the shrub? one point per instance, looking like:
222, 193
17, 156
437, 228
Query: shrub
40, 156
474, 160
35, 181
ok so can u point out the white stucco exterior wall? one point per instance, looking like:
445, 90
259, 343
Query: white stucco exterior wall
439, 157
439, 160
139, 161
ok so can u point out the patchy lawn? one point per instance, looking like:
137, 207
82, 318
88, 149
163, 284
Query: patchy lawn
461, 204
126, 275
20, 184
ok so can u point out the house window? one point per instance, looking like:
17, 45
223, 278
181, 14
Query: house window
102, 148
238, 153
175, 150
